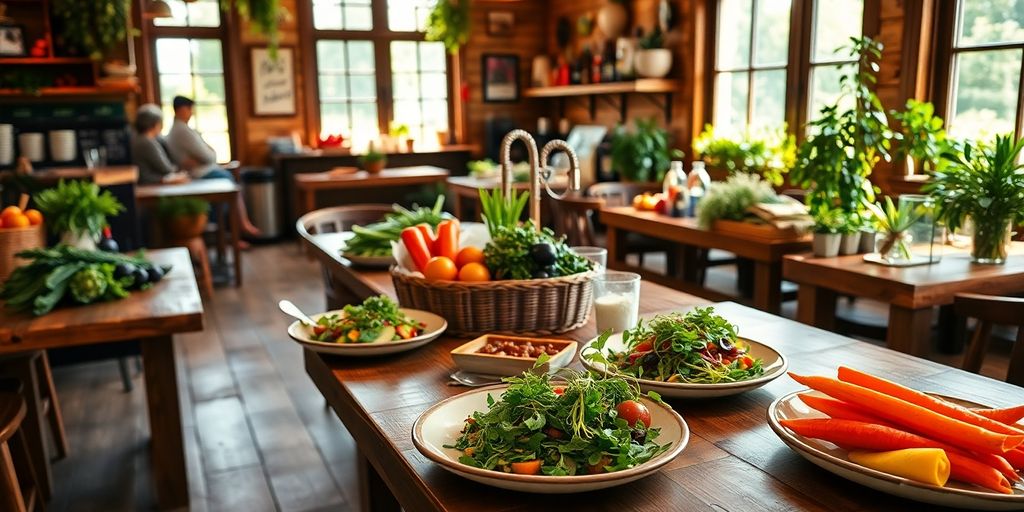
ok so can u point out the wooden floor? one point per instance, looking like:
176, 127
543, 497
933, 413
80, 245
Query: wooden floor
257, 432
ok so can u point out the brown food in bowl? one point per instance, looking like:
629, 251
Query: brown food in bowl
513, 348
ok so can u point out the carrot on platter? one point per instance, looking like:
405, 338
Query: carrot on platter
1015, 457
839, 410
851, 435
1008, 415
919, 419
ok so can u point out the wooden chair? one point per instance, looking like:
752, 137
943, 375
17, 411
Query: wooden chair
19, 489
573, 217
989, 311
615, 193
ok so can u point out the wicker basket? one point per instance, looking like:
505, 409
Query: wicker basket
15, 240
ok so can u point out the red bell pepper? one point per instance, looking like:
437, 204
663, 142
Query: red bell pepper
416, 246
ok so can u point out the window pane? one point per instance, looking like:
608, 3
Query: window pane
207, 56
327, 15
211, 118
332, 87
360, 56
403, 56
825, 89
209, 89
420, 80
342, 15
990, 21
358, 17
334, 118
174, 85
406, 85
330, 56
196, 13
984, 94
835, 22
771, 40
172, 56
363, 87
408, 15
434, 85
432, 57
221, 144
194, 68
733, 48
348, 88
769, 98
364, 118
730, 102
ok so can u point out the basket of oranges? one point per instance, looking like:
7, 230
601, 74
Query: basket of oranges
20, 229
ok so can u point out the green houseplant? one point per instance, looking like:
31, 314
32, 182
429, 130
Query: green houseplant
448, 22
92, 27
77, 211
921, 139
264, 16
986, 183
183, 218
730, 199
643, 153
827, 236
768, 152
893, 223
373, 161
653, 60
845, 143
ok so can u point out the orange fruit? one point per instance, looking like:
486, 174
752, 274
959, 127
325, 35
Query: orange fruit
9, 212
469, 255
440, 268
34, 216
474, 271
16, 221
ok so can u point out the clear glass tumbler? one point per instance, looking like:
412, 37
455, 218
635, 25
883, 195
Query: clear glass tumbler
616, 301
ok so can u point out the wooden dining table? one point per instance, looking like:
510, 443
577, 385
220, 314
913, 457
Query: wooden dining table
911, 292
309, 183
765, 253
172, 306
733, 460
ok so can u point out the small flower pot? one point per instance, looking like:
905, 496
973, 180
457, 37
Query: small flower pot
410, 145
826, 245
849, 243
867, 242
653, 63
374, 167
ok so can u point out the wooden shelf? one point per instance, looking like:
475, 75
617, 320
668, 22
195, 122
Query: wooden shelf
643, 85
86, 91
35, 61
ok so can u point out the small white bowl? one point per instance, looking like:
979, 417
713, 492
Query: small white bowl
468, 359
435, 326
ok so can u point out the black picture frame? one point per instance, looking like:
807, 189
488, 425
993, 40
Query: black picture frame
500, 77
12, 41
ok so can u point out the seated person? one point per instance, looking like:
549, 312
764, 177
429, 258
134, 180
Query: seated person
148, 151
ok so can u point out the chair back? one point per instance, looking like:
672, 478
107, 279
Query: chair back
617, 193
990, 311
574, 217
340, 218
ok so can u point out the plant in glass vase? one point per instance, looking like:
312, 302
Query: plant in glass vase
893, 223
983, 181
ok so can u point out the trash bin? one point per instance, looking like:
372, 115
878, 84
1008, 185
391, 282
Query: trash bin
259, 188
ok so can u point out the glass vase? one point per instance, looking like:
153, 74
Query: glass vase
991, 241
926, 235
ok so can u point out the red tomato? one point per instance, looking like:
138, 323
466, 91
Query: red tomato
633, 411
559, 391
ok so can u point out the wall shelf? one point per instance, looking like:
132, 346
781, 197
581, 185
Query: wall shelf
84, 91
36, 61
647, 88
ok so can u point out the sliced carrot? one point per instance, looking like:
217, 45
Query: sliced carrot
839, 410
914, 417
530, 467
1015, 457
1008, 415
851, 435
925, 400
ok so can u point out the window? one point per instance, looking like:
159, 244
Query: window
190, 62
764, 51
369, 77
984, 66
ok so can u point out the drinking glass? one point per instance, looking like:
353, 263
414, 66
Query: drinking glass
616, 300
598, 255
95, 157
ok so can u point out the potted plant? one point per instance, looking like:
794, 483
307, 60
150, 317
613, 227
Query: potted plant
93, 31
264, 17
921, 139
77, 211
986, 183
373, 161
768, 152
730, 199
400, 131
641, 155
849, 234
893, 223
826, 233
183, 218
653, 60
448, 22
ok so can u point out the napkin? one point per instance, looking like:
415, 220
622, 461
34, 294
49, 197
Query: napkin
925, 465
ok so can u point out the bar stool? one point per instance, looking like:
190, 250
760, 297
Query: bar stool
19, 489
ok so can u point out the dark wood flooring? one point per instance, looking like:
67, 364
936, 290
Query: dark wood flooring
257, 432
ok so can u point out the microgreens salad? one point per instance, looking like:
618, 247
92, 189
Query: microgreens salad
584, 425
377, 320
699, 347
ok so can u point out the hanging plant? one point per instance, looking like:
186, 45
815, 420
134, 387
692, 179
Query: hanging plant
264, 16
448, 23
92, 28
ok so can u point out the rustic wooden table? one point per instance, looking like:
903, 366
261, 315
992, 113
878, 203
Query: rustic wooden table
153, 317
465, 190
765, 253
911, 292
216, 191
307, 184
733, 460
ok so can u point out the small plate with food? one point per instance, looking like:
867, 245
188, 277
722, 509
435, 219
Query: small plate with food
693, 355
580, 434
375, 327
505, 356
375, 258
919, 446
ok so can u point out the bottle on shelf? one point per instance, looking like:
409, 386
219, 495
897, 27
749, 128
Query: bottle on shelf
698, 182
673, 188
609, 68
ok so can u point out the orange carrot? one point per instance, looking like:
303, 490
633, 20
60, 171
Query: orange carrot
914, 417
929, 402
1009, 415
839, 410
1015, 457
530, 467
865, 436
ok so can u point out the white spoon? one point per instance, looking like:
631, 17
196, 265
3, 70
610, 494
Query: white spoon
290, 309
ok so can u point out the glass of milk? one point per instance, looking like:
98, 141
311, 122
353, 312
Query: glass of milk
598, 255
616, 300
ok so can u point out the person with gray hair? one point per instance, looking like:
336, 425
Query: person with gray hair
148, 153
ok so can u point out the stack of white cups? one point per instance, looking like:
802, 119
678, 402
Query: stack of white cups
30, 145
62, 145
6, 144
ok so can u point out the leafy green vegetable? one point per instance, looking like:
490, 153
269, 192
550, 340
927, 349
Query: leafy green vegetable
508, 253
499, 211
88, 284
448, 22
375, 239
77, 207
698, 347
575, 432
730, 199
367, 321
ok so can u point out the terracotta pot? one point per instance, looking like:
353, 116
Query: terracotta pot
653, 63
374, 167
409, 145
185, 227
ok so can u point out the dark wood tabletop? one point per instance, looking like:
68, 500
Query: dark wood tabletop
308, 183
732, 462
911, 292
766, 254
151, 316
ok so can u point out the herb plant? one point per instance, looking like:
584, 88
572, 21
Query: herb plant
893, 222
510, 254
768, 152
730, 199
921, 136
264, 16
77, 207
448, 22
373, 156
653, 39
92, 27
830, 221
171, 207
499, 210
642, 154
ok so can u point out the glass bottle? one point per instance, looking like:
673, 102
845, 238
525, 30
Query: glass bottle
698, 182
674, 183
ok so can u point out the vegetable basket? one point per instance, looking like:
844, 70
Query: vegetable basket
15, 240
536, 307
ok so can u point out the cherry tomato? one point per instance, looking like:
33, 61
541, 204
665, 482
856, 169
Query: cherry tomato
554, 433
559, 391
746, 362
633, 411
440, 268
474, 272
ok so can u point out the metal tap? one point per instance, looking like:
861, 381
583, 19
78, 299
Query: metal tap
506, 170
574, 167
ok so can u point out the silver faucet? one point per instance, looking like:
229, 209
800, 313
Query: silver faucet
538, 169
574, 166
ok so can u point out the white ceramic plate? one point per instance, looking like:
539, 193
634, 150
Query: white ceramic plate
441, 424
370, 261
833, 459
774, 364
435, 325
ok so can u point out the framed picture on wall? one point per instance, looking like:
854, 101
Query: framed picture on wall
501, 78
501, 23
12, 41
273, 82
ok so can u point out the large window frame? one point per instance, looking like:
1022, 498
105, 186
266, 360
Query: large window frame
799, 66
381, 36
946, 27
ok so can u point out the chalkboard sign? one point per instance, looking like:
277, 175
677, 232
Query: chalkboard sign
273, 82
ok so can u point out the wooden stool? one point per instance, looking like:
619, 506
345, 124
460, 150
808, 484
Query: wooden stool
989, 311
19, 490
201, 257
